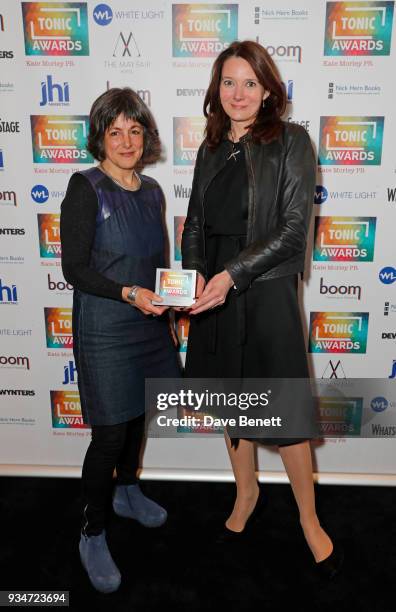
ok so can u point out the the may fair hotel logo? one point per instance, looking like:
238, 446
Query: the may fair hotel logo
338, 332
60, 139
55, 28
358, 28
187, 136
351, 141
66, 410
203, 30
58, 328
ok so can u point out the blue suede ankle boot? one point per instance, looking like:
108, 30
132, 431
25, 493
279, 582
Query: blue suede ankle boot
129, 502
96, 559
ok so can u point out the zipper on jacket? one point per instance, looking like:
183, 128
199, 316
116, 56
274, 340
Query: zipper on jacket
252, 204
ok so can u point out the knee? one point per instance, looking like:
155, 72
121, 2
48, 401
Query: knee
108, 439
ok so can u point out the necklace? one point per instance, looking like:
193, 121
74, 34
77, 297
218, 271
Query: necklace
234, 150
135, 175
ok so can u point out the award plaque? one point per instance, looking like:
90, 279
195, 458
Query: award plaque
176, 287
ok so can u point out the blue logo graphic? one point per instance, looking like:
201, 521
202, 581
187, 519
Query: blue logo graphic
387, 275
70, 373
1, 160
8, 295
321, 194
288, 85
393, 373
379, 404
49, 88
40, 194
102, 14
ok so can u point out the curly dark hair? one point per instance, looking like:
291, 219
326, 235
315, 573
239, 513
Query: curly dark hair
267, 124
108, 107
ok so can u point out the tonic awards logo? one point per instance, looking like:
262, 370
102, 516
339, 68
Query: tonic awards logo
203, 30
66, 410
340, 416
60, 139
354, 141
182, 329
344, 239
49, 235
178, 224
58, 327
187, 136
59, 28
358, 28
338, 332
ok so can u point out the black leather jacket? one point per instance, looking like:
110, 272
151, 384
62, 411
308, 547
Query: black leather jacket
281, 184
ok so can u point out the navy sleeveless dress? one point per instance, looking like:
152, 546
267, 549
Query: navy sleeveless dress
115, 345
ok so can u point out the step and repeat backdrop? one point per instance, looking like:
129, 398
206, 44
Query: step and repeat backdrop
337, 64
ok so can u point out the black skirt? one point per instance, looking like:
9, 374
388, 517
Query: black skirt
257, 334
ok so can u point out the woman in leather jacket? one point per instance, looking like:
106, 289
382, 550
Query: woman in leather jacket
245, 233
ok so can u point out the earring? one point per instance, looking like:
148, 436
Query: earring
263, 102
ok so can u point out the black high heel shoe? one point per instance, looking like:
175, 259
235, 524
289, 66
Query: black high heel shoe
328, 568
227, 536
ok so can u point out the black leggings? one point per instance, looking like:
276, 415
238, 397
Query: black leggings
112, 447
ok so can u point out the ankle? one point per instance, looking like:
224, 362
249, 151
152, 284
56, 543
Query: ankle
310, 523
248, 494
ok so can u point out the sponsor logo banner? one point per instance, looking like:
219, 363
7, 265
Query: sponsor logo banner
203, 30
54, 93
178, 225
358, 28
49, 235
8, 198
344, 239
353, 141
39, 194
103, 14
187, 136
60, 139
340, 416
338, 332
69, 373
387, 275
8, 293
66, 410
17, 362
55, 28
334, 370
58, 327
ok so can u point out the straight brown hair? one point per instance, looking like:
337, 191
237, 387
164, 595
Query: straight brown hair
267, 124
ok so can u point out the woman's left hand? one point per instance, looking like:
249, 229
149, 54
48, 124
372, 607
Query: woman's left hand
214, 294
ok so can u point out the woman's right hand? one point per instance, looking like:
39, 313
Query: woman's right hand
201, 282
143, 301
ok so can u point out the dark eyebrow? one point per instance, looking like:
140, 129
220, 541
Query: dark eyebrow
249, 79
134, 125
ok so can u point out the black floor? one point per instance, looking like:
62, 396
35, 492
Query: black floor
177, 567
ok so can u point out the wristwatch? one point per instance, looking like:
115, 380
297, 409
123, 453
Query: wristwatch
131, 295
